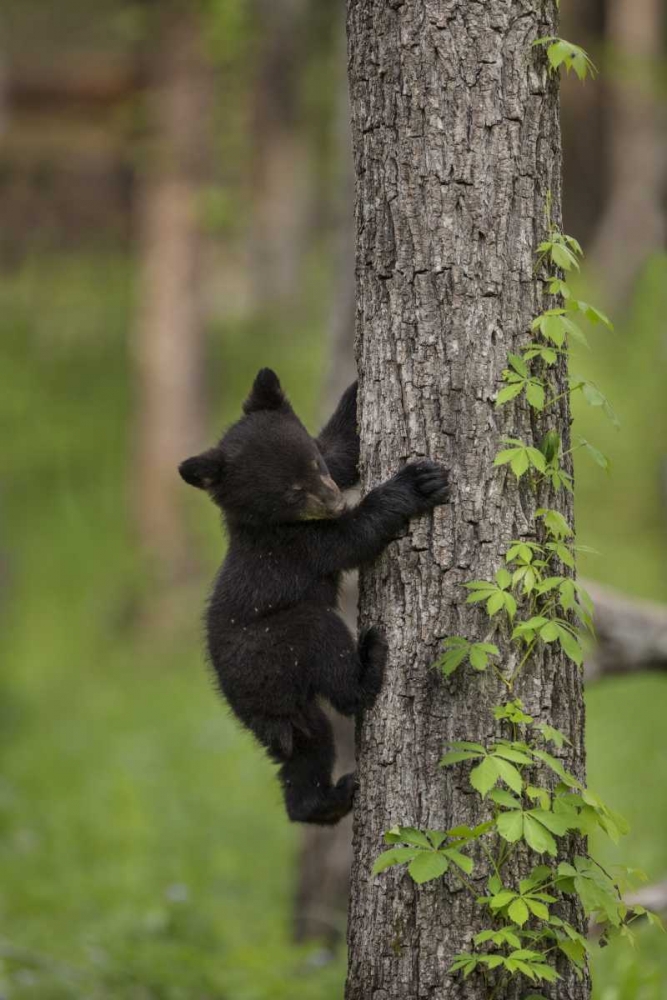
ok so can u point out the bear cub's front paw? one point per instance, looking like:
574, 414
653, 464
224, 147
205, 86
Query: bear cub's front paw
427, 482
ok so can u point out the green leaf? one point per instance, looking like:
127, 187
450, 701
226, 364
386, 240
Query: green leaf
553, 328
574, 332
570, 646
572, 57
539, 874
574, 950
396, 856
520, 462
501, 899
484, 776
465, 833
427, 866
536, 350
562, 552
598, 457
509, 775
511, 753
535, 395
462, 860
465, 963
409, 835
510, 826
537, 459
537, 836
504, 456
455, 641
540, 794
554, 522
559, 287
552, 735
556, 767
503, 798
518, 364
557, 824
456, 756
594, 397
508, 393
495, 603
510, 605
547, 973
549, 633
518, 912
451, 660
479, 659
550, 445
592, 314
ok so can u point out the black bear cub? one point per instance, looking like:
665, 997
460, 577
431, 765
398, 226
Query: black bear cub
274, 637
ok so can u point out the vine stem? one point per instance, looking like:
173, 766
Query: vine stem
468, 885
521, 664
501, 676
551, 402
490, 857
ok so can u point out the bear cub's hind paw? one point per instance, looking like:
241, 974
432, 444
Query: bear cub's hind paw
373, 650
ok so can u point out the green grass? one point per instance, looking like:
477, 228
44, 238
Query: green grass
144, 853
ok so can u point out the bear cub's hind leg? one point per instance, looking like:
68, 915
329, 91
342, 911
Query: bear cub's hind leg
372, 647
310, 797
349, 674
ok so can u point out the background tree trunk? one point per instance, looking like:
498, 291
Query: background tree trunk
169, 339
281, 181
583, 124
456, 143
323, 872
633, 224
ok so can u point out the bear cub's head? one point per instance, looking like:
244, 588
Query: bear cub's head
266, 469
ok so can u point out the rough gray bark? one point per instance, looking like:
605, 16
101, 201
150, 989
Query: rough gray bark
456, 143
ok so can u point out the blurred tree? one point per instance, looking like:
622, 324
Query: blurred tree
583, 126
280, 153
452, 183
325, 856
633, 224
169, 336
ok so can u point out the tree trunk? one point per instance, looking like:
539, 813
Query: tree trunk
633, 224
169, 339
457, 145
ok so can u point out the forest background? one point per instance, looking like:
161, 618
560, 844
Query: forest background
176, 212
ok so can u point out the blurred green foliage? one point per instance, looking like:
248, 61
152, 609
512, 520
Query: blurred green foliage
144, 852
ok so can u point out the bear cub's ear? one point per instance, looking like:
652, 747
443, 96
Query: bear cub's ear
203, 471
266, 393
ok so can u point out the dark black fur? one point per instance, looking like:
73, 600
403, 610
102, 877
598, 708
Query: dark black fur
274, 636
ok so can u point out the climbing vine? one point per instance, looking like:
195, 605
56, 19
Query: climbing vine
531, 800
